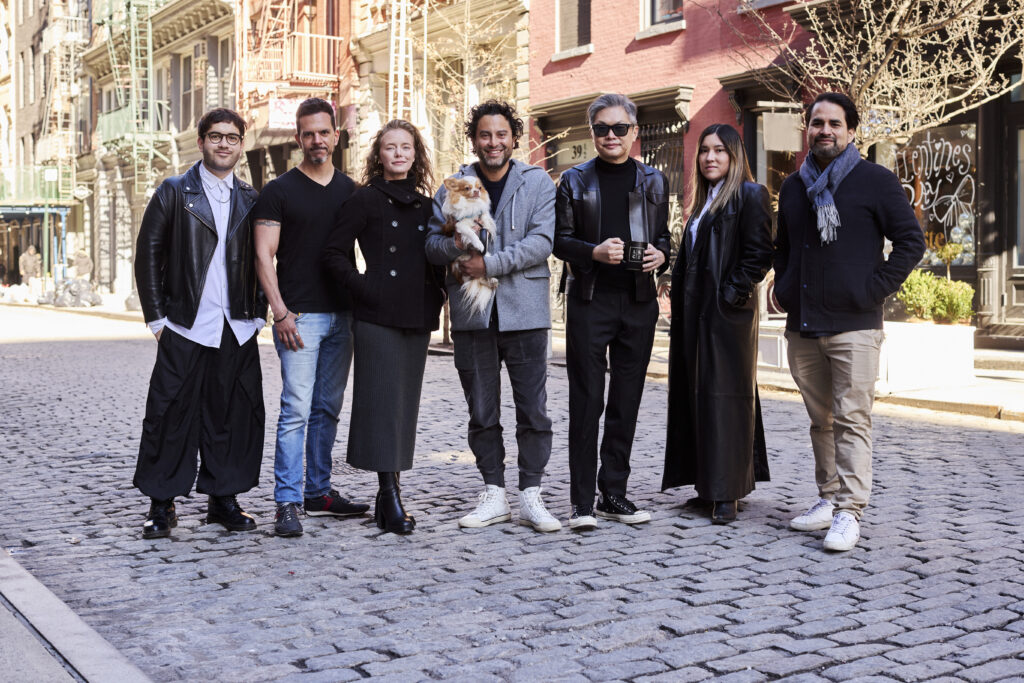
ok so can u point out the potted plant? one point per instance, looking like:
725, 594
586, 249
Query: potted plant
912, 351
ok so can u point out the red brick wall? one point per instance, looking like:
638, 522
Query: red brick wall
696, 56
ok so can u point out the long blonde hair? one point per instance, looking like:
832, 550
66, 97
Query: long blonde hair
739, 170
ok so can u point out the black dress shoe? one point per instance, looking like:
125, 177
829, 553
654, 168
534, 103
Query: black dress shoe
388, 513
723, 511
160, 520
226, 511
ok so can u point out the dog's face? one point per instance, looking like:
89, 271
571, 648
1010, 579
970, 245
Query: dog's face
466, 193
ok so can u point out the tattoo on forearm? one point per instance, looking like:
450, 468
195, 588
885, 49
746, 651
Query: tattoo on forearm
262, 222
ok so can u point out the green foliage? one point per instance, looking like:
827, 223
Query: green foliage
953, 301
934, 298
918, 293
948, 253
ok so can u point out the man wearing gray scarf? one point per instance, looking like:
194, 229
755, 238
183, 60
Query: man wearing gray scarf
831, 277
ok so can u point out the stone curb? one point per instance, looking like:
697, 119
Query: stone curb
83, 650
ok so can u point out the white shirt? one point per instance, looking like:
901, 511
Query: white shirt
214, 304
707, 205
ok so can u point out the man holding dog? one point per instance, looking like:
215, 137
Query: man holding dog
831, 277
612, 232
312, 319
514, 327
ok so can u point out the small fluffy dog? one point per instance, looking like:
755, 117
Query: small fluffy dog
467, 208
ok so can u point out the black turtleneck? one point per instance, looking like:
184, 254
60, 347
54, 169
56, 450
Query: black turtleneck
615, 182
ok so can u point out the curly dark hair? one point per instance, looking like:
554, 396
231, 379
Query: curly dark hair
220, 115
420, 172
495, 108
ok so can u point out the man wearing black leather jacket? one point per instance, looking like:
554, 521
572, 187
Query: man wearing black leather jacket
611, 229
195, 272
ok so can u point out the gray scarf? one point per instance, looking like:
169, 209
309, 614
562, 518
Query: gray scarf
821, 186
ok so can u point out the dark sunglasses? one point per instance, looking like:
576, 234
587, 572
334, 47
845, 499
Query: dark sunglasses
601, 129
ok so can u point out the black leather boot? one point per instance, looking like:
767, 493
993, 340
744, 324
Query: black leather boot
389, 513
160, 520
226, 511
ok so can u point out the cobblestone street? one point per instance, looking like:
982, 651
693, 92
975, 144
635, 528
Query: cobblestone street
934, 591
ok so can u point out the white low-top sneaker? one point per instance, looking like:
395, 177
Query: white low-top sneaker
844, 533
533, 513
818, 517
491, 509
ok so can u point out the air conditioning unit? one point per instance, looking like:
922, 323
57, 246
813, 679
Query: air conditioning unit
199, 50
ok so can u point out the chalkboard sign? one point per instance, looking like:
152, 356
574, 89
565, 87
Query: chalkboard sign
937, 170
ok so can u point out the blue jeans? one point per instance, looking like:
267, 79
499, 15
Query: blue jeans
313, 383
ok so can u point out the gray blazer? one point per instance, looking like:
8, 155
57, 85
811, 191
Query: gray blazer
517, 255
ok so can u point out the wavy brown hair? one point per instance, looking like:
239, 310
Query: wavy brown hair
420, 172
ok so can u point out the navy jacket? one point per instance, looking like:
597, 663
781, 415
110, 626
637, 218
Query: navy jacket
840, 286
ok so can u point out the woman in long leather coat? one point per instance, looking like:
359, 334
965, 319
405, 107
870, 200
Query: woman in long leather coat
715, 437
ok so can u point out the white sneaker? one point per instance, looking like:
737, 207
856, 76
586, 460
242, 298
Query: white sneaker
491, 509
533, 513
819, 516
845, 532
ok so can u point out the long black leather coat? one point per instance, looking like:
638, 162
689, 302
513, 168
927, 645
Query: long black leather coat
715, 437
578, 224
176, 242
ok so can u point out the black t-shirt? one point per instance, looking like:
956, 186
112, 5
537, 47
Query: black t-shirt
306, 210
494, 188
615, 182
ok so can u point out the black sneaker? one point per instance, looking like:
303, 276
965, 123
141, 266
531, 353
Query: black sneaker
160, 520
287, 523
582, 518
621, 510
334, 504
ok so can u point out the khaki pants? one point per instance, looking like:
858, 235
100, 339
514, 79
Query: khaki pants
836, 376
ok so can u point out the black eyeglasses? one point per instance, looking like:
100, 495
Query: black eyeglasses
601, 129
232, 138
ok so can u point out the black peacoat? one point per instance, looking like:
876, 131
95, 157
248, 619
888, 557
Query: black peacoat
715, 436
399, 288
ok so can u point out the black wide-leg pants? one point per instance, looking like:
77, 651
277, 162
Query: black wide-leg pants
611, 328
207, 400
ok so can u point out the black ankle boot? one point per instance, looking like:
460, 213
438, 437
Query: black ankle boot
160, 520
389, 513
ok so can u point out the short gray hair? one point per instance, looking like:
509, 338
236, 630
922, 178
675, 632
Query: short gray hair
609, 100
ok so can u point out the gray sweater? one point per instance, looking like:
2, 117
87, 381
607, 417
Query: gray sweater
517, 255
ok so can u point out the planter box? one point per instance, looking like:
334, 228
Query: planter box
914, 355
925, 355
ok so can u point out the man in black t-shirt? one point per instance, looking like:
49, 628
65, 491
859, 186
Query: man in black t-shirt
312, 319
606, 208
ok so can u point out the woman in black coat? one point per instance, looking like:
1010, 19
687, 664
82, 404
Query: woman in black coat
397, 302
715, 437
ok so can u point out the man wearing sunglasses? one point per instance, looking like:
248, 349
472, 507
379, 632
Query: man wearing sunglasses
611, 229
194, 268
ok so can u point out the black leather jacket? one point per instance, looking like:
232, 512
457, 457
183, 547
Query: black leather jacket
176, 242
578, 224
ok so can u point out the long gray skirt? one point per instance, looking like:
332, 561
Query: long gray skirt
388, 365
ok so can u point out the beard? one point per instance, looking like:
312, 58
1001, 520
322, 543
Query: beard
215, 162
493, 164
826, 151
314, 157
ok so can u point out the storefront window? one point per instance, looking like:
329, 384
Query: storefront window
938, 169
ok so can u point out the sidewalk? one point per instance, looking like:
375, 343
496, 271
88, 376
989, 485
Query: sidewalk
43, 641
997, 392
